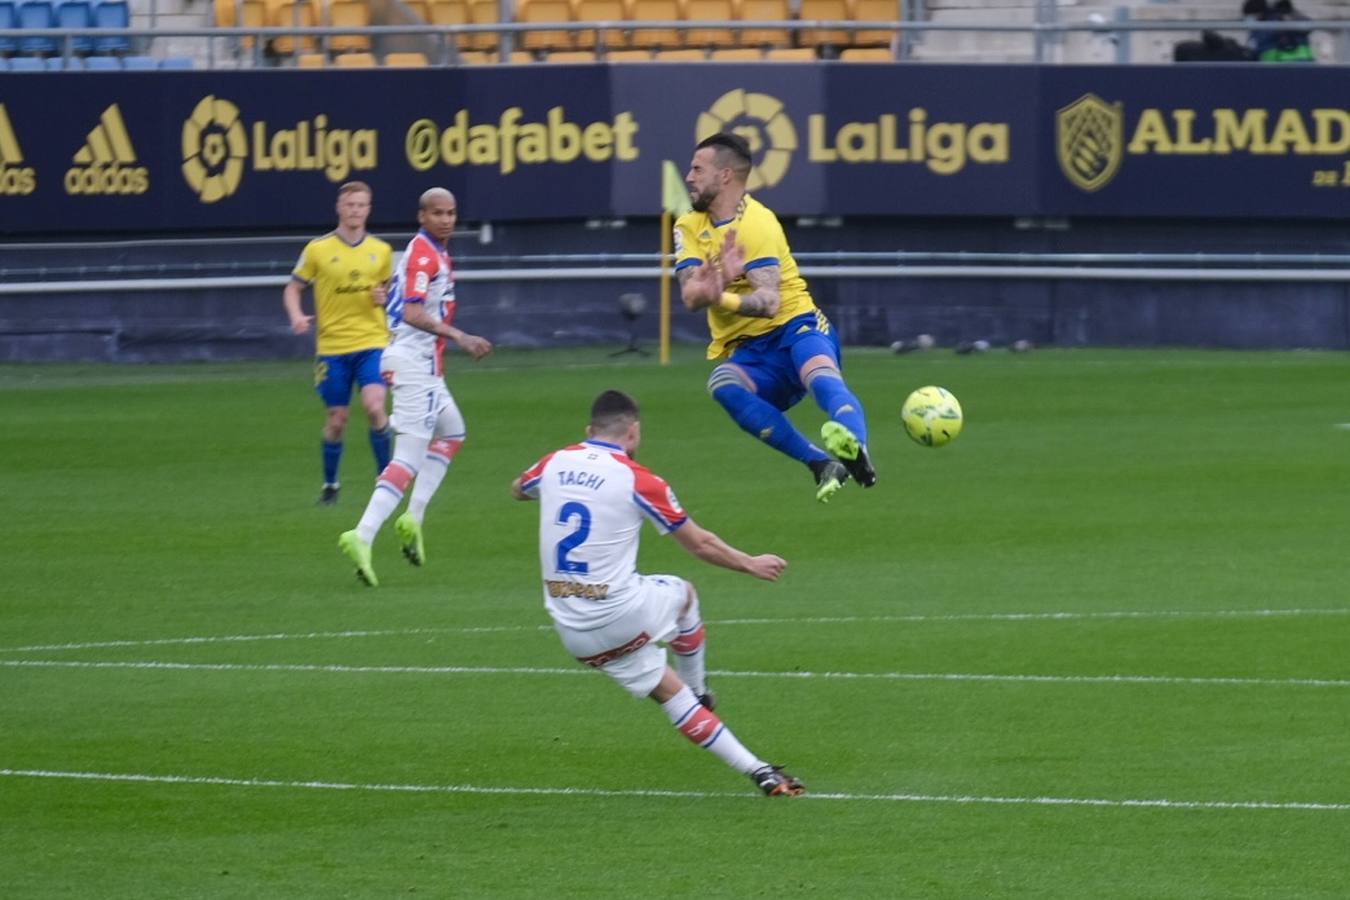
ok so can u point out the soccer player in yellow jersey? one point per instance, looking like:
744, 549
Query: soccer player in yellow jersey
733, 260
348, 269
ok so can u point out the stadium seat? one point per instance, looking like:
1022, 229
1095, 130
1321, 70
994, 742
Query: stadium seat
355, 61
63, 64
790, 54
738, 54
451, 12
571, 56
8, 19
599, 11
484, 12
112, 14
311, 60
477, 57
4, 64
177, 63
225, 13
654, 11
625, 56
541, 11
349, 14
102, 63
27, 64
140, 63
689, 54
253, 15
407, 60
874, 11
709, 11
289, 13
825, 11
76, 14
764, 11
37, 14
866, 54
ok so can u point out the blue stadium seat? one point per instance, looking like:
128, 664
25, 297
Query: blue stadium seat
4, 64
37, 14
8, 19
176, 62
26, 64
62, 64
102, 63
76, 14
112, 14
140, 63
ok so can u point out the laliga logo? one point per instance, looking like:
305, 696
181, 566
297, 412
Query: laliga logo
1090, 141
759, 119
214, 149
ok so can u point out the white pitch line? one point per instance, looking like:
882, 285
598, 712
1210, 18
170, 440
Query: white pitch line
719, 673
810, 620
963, 799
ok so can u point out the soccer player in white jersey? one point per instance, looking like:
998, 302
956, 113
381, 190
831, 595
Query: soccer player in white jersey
428, 424
592, 498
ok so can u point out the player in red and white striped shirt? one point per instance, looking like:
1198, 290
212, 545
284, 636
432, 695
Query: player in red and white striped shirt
593, 497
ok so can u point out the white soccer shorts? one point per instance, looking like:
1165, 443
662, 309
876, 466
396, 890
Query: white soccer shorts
423, 407
627, 649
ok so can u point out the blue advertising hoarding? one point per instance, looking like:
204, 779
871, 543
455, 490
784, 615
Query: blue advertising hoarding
188, 151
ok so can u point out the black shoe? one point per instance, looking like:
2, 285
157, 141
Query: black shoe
329, 495
774, 782
708, 700
830, 477
861, 469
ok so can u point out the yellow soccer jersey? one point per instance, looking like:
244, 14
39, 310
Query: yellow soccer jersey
698, 241
342, 276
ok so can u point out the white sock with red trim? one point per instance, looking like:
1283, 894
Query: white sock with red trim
429, 477
389, 488
689, 647
703, 727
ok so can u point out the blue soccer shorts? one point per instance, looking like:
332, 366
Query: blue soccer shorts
334, 375
774, 360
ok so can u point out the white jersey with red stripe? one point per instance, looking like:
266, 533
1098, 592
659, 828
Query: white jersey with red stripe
592, 500
424, 275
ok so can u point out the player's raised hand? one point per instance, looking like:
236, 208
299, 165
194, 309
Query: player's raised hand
733, 257
767, 566
300, 324
379, 295
475, 346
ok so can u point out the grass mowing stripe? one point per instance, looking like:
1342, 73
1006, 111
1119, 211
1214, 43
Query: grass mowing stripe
220, 781
814, 620
719, 673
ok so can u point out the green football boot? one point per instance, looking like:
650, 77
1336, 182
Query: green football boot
844, 446
358, 551
830, 477
410, 536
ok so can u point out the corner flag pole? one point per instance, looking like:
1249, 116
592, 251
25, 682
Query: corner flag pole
674, 203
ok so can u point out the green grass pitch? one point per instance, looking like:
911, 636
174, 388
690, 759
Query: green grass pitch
1094, 648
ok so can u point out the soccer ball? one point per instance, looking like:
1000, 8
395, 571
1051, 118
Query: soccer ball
932, 416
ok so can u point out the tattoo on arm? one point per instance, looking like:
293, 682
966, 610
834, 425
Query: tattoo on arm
763, 301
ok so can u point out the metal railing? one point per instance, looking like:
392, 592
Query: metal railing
445, 38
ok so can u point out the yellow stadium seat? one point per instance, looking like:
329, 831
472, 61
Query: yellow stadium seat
738, 54
874, 11
522, 58
484, 12
571, 56
709, 11
355, 61
825, 11
288, 13
451, 12
311, 60
764, 11
688, 55
254, 15
866, 54
477, 57
599, 11
349, 14
407, 60
540, 11
790, 54
224, 13
654, 11
623, 56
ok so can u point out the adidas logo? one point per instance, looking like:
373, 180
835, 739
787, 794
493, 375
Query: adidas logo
15, 178
106, 162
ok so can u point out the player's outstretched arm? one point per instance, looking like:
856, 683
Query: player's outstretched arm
712, 549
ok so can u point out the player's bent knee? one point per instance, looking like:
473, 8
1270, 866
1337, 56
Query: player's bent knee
729, 375
817, 367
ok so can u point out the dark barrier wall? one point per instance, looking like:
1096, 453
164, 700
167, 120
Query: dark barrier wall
215, 150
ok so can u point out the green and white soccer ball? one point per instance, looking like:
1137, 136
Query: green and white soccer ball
932, 416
